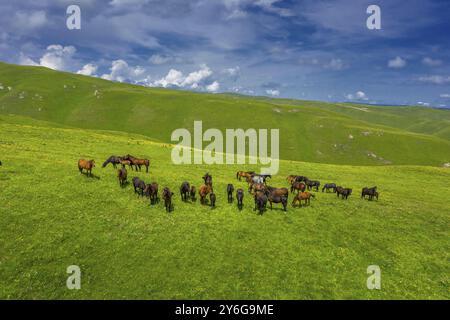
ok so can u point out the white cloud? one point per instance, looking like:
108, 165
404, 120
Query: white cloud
273, 92
56, 57
431, 62
194, 80
197, 76
435, 79
359, 96
397, 63
88, 70
121, 71
173, 78
445, 96
233, 73
213, 87
424, 104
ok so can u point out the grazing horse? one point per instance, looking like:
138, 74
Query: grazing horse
137, 163
125, 163
260, 202
344, 192
167, 196
299, 186
151, 190
86, 165
203, 192
114, 160
240, 198
277, 195
208, 179
184, 191
138, 184
244, 174
328, 186
279, 192
303, 196
313, 184
371, 192
192, 194
230, 190
291, 179
301, 179
122, 175
212, 200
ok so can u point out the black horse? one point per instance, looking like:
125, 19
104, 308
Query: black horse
260, 202
230, 190
138, 184
167, 196
301, 179
344, 192
115, 160
240, 198
328, 186
313, 184
212, 200
184, 191
371, 192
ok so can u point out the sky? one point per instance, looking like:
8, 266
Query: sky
304, 49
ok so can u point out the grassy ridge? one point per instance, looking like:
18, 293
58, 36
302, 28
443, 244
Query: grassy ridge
309, 131
52, 217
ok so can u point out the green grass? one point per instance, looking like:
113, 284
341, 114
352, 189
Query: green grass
52, 217
309, 131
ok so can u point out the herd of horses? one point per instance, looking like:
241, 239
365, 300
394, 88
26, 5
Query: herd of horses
258, 187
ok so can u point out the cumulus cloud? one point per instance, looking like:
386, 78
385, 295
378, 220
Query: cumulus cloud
56, 57
121, 71
159, 59
445, 95
88, 70
30, 20
435, 79
232, 73
431, 62
397, 63
213, 87
358, 96
273, 92
197, 80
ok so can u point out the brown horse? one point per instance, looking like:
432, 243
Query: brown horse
137, 163
291, 179
303, 196
122, 175
86, 165
244, 174
299, 186
257, 187
125, 163
203, 192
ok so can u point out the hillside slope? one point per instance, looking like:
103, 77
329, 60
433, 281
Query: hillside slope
51, 217
309, 131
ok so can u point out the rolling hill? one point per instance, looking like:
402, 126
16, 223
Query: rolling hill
309, 131
51, 217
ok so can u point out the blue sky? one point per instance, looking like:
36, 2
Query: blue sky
306, 49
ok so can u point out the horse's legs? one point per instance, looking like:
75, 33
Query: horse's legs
146, 168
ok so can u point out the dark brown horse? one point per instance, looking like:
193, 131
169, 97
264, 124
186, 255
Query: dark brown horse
122, 175
203, 192
192, 193
184, 191
114, 160
344, 192
371, 192
151, 190
86, 165
298, 186
167, 196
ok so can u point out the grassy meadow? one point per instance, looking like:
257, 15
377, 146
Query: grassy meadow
51, 217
